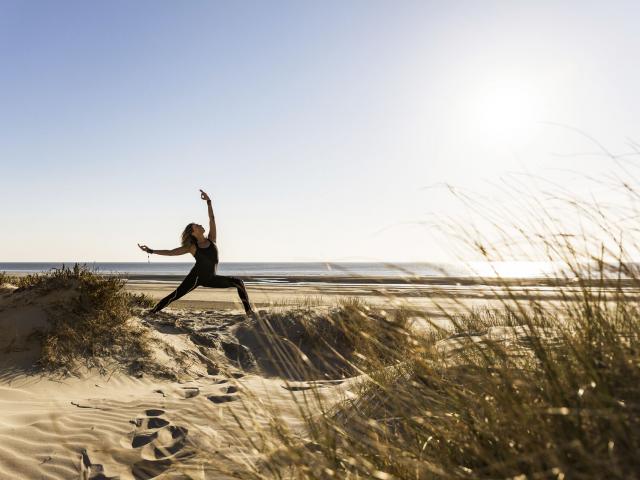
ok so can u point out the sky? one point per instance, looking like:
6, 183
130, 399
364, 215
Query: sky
323, 131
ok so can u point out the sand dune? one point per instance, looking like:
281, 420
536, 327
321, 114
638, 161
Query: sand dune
202, 401
115, 425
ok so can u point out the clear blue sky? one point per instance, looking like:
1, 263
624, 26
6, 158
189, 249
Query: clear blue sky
314, 126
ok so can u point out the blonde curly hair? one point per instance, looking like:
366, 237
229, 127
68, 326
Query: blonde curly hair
187, 239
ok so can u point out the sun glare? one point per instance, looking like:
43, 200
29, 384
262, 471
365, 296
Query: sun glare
503, 112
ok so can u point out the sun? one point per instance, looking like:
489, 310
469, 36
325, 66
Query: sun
503, 111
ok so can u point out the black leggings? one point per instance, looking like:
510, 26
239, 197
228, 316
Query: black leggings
193, 280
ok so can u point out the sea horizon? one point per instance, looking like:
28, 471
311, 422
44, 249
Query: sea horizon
512, 269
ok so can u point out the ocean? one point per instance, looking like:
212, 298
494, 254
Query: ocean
301, 269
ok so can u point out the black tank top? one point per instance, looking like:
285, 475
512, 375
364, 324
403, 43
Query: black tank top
206, 259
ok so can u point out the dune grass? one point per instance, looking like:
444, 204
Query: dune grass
303, 342
93, 326
524, 393
526, 389
6, 279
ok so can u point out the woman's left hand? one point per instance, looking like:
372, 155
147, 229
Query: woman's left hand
144, 248
204, 196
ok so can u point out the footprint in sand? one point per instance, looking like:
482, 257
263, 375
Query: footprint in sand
182, 392
149, 423
222, 398
170, 441
142, 439
153, 412
227, 396
146, 427
161, 444
91, 471
190, 392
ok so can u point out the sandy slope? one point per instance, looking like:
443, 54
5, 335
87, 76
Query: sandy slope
194, 425
115, 425
133, 428
204, 419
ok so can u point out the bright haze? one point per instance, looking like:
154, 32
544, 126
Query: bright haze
322, 130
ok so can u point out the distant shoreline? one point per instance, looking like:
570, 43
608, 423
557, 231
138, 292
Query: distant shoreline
316, 273
413, 281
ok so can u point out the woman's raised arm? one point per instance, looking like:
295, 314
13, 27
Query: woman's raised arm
212, 219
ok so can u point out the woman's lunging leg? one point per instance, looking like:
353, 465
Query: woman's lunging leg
220, 281
189, 283
242, 293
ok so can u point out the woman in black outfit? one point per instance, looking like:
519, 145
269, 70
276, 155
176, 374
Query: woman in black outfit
203, 273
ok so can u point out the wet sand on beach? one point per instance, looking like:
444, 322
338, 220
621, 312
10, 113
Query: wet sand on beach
433, 298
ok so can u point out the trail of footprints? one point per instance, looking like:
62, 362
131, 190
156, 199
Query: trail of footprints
162, 443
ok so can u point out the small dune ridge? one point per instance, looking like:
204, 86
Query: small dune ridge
78, 318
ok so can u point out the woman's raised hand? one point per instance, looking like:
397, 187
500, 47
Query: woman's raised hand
204, 196
144, 248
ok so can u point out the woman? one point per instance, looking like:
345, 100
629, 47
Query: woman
203, 273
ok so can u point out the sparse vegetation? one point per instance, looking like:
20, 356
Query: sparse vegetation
92, 327
532, 403
140, 300
6, 279
304, 342
535, 389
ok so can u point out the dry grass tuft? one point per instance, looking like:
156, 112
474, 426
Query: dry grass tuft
6, 279
93, 327
526, 404
534, 389
306, 343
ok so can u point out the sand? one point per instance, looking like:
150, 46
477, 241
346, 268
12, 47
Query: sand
438, 299
113, 425
94, 425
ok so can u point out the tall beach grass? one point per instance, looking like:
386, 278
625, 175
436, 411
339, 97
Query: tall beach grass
526, 388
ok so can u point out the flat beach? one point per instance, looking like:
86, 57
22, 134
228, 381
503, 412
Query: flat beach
436, 296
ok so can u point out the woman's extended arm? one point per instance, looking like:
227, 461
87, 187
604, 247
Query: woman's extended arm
212, 219
171, 253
